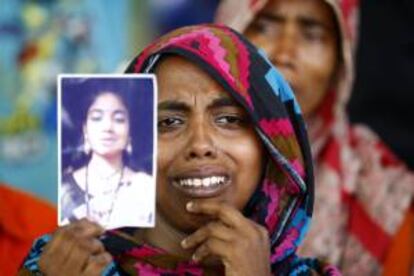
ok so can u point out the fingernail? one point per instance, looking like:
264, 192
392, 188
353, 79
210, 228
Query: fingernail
194, 258
104, 258
108, 258
184, 243
190, 206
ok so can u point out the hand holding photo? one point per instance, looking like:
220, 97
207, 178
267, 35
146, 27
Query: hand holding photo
107, 147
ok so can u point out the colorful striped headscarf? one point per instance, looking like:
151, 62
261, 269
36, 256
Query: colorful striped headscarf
284, 204
284, 200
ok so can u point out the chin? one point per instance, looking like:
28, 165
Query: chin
196, 222
109, 153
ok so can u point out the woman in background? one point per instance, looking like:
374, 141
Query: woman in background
363, 191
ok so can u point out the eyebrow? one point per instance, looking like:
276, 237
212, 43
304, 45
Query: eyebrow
113, 111
173, 105
306, 21
272, 17
312, 22
223, 102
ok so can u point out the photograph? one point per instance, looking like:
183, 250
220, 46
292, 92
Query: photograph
107, 148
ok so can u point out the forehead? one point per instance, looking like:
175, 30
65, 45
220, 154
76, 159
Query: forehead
108, 101
316, 9
179, 77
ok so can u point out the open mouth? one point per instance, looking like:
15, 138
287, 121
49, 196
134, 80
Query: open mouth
206, 186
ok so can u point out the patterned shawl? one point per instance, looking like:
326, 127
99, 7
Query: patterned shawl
283, 201
363, 191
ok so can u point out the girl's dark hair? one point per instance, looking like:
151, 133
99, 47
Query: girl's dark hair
83, 94
94, 88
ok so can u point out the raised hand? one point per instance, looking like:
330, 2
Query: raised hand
75, 250
242, 245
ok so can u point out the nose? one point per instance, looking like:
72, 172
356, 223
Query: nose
107, 124
200, 143
284, 49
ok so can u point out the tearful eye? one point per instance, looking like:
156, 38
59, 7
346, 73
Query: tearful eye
262, 27
169, 123
231, 120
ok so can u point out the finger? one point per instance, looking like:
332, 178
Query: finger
57, 250
212, 230
54, 246
212, 247
81, 231
87, 228
219, 210
76, 260
81, 248
94, 246
229, 216
64, 246
97, 264
90, 245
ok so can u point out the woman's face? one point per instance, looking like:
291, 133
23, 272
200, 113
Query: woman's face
207, 148
300, 38
107, 125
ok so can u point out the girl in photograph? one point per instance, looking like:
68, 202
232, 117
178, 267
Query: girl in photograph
105, 188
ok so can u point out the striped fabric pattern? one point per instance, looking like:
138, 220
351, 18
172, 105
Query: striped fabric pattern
284, 203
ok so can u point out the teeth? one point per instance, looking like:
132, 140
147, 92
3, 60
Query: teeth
202, 182
196, 182
206, 182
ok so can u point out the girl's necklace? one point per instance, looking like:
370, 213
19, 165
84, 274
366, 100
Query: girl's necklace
109, 176
95, 212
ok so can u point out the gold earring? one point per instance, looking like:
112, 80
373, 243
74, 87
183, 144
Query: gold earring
129, 148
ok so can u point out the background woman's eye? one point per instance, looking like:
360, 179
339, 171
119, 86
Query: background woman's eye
313, 34
258, 26
263, 27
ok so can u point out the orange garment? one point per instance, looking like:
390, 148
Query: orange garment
400, 260
22, 219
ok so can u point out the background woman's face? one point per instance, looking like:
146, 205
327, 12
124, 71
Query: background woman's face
207, 148
300, 38
107, 125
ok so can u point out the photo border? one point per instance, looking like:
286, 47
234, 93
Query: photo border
150, 76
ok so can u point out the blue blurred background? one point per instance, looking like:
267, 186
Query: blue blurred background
40, 39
